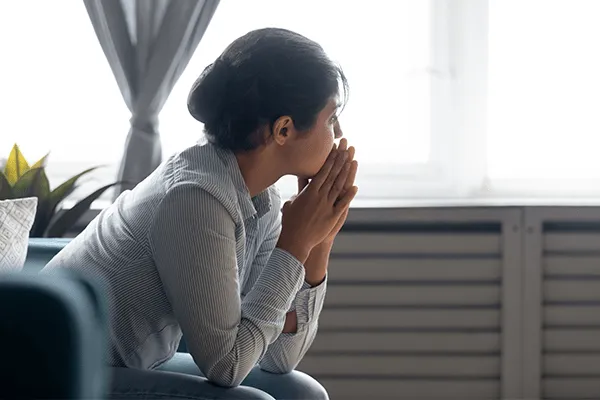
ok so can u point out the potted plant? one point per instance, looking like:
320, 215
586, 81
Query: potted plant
18, 179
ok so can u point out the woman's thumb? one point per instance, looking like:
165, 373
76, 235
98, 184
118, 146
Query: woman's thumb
302, 183
286, 205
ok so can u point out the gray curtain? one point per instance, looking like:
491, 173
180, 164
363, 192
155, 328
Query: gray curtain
148, 44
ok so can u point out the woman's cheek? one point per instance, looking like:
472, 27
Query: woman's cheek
319, 149
318, 159
324, 151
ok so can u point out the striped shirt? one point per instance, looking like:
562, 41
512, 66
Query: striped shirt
188, 250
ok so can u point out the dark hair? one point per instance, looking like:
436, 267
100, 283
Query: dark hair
260, 77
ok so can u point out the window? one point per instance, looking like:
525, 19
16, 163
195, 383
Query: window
448, 99
387, 61
58, 92
544, 97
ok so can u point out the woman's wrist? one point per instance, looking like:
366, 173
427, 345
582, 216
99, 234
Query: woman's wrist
315, 278
299, 251
317, 262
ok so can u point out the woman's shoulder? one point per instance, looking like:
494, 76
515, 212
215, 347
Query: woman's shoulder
199, 167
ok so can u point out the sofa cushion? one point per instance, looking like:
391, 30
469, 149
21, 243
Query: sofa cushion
16, 220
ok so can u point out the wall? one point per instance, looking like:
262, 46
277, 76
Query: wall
470, 303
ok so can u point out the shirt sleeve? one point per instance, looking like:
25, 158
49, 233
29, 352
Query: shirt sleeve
287, 351
193, 243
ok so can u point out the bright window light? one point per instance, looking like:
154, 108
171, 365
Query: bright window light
383, 49
544, 91
58, 92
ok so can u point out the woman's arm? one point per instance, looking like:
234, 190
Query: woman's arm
193, 243
302, 322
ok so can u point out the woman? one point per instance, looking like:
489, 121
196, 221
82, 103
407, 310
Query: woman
198, 247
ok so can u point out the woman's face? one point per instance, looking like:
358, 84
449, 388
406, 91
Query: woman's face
312, 148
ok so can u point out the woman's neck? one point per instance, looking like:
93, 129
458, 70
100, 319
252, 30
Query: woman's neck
258, 170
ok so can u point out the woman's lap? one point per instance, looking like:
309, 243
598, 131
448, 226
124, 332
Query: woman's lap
128, 383
180, 378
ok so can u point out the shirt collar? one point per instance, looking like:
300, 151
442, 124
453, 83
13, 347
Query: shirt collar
250, 207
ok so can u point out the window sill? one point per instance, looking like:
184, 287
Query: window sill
446, 203
367, 207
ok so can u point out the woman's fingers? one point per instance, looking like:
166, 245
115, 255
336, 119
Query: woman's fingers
340, 182
323, 173
346, 199
335, 170
338, 163
351, 152
351, 175
353, 168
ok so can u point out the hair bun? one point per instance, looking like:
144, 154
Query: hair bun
207, 93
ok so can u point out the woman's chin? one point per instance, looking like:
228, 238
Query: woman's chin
309, 173
307, 176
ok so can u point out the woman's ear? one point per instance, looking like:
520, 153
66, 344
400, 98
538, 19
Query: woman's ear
283, 129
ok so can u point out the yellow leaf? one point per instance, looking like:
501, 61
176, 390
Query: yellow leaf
41, 162
16, 165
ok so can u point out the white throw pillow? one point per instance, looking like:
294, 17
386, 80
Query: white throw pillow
16, 220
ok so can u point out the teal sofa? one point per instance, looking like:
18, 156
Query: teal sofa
53, 335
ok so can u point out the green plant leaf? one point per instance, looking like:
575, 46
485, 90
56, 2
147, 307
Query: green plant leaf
42, 216
33, 183
16, 165
5, 188
65, 189
67, 219
41, 162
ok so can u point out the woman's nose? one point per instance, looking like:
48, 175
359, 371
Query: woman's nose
337, 130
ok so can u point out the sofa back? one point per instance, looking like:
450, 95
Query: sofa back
41, 250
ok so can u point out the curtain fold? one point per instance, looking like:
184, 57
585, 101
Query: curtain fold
148, 44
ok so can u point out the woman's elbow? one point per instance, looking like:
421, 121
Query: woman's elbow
225, 372
223, 380
279, 371
277, 366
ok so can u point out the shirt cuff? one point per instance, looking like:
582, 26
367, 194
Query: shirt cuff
309, 302
276, 287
